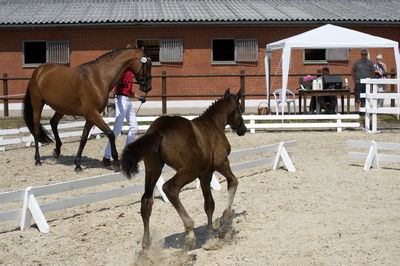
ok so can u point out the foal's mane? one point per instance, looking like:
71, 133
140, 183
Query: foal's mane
107, 55
215, 105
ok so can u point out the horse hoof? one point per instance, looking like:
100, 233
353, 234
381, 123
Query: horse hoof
56, 154
190, 241
216, 223
78, 169
116, 165
38, 163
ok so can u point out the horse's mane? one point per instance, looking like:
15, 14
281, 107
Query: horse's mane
212, 108
108, 54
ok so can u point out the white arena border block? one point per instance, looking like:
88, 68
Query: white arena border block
33, 210
373, 158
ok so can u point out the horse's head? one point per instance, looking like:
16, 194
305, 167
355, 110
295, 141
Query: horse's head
235, 119
141, 67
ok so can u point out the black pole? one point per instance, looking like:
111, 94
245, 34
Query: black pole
5, 94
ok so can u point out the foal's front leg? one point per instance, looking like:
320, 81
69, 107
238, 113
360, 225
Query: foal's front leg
225, 170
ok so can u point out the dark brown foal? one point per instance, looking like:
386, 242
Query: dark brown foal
194, 149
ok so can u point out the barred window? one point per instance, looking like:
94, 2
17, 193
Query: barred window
246, 50
163, 51
58, 52
171, 51
337, 54
234, 50
39, 52
325, 55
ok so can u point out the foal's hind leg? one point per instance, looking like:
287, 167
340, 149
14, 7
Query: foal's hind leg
226, 171
209, 204
172, 189
54, 123
153, 168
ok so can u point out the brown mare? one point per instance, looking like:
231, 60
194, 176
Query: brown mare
193, 148
80, 91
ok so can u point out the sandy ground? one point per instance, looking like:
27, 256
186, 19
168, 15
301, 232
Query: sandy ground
329, 212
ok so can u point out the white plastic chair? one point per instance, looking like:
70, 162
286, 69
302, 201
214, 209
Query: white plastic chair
290, 98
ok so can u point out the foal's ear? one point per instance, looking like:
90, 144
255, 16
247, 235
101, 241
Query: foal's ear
227, 93
239, 94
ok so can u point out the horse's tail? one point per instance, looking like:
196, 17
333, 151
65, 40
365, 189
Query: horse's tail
28, 117
134, 152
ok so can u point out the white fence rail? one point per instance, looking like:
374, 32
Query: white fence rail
372, 96
306, 121
373, 158
255, 122
32, 209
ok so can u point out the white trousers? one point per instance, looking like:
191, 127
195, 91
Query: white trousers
123, 110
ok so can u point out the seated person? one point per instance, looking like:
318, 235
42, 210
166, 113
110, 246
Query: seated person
328, 103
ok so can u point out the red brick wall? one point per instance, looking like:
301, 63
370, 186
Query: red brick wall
87, 44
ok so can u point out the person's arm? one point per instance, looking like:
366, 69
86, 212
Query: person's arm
140, 98
372, 70
384, 67
353, 73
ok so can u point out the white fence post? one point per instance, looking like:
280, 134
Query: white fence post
159, 185
1, 147
339, 123
371, 108
252, 123
372, 157
31, 209
284, 156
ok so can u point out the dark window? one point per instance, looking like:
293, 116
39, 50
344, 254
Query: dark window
39, 52
223, 50
314, 55
34, 52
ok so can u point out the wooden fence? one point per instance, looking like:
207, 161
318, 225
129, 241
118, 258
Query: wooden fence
240, 78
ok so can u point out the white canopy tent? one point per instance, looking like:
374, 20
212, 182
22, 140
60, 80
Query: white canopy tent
327, 36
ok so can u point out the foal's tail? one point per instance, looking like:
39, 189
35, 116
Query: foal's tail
28, 117
134, 152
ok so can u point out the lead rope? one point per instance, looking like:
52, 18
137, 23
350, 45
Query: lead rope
140, 105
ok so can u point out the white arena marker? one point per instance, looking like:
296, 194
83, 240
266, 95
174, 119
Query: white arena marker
31, 209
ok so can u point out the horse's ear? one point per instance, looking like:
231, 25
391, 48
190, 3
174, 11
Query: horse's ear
227, 93
239, 94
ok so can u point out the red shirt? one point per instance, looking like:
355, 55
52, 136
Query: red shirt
126, 79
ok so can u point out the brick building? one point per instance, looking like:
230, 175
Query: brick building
186, 37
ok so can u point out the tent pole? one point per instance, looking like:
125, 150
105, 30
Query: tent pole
269, 55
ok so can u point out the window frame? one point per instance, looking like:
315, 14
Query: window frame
235, 60
47, 42
327, 60
312, 62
